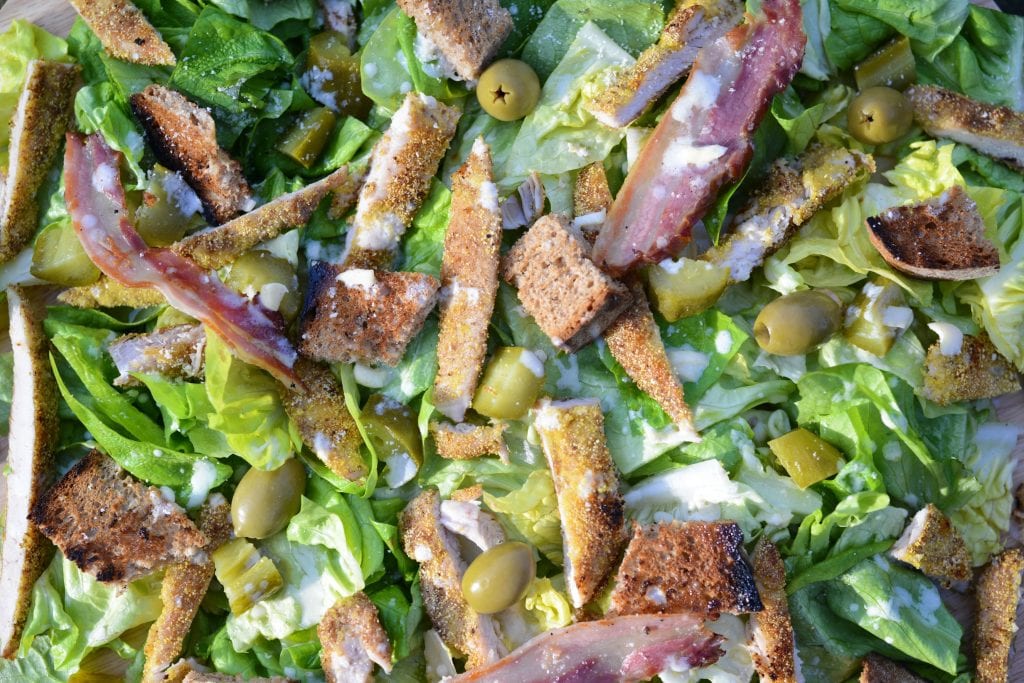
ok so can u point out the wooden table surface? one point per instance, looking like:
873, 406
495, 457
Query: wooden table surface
57, 16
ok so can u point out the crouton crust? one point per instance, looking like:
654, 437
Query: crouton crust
878, 669
111, 525
353, 640
772, 644
37, 132
323, 420
183, 137
978, 371
109, 293
695, 567
587, 488
171, 352
468, 33
466, 441
571, 299
998, 592
469, 283
366, 322
933, 545
940, 239
220, 245
125, 32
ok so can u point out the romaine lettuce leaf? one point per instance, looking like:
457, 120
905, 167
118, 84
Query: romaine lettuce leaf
98, 110
423, 246
267, 15
415, 372
400, 617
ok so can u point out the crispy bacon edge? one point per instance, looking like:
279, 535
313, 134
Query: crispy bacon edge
96, 202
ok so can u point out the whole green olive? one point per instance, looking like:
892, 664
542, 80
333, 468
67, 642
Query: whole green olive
798, 323
879, 115
272, 277
508, 90
499, 577
265, 500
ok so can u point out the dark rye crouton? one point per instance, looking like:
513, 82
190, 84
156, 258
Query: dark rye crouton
125, 32
696, 567
933, 545
468, 33
353, 641
878, 669
112, 526
560, 287
363, 316
940, 239
183, 137
977, 371
997, 593
171, 352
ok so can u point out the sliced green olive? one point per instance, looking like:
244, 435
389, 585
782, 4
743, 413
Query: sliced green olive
879, 115
873, 321
265, 501
499, 577
306, 139
798, 323
332, 75
510, 385
247, 576
395, 434
685, 287
167, 209
58, 257
508, 90
893, 66
271, 277
806, 456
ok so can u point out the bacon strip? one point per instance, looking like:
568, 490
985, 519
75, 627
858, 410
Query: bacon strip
623, 649
96, 202
704, 141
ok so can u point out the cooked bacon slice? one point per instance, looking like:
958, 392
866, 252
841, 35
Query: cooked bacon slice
96, 202
624, 649
704, 140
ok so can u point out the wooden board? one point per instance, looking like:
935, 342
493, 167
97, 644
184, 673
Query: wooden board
57, 17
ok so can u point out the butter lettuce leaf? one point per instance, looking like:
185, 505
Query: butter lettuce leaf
19, 44
530, 513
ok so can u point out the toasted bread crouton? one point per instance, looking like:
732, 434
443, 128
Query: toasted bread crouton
425, 540
995, 131
402, 164
940, 239
772, 643
183, 589
997, 593
34, 429
125, 32
974, 371
353, 640
695, 567
933, 545
171, 352
692, 25
587, 488
468, 33
522, 208
363, 316
792, 192
635, 341
469, 282
560, 287
220, 245
183, 137
323, 420
878, 669
111, 525
37, 131
109, 293
465, 441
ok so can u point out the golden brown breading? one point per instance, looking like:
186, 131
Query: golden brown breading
402, 164
878, 669
992, 130
695, 567
772, 644
441, 567
997, 593
209, 677
978, 371
468, 33
587, 488
34, 429
364, 316
465, 441
183, 137
220, 245
591, 193
470, 493
353, 640
324, 423
109, 293
939, 239
111, 525
933, 545
125, 32
171, 352
37, 132
469, 283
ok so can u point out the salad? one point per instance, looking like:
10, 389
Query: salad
540, 340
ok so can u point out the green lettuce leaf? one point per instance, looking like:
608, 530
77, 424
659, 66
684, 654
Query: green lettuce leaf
734, 665
530, 513
400, 617
546, 604
423, 246
415, 372
267, 15
6, 389
99, 110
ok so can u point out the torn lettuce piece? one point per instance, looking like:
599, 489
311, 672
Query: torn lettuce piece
530, 513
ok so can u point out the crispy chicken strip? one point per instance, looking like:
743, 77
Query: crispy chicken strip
772, 643
933, 545
125, 32
998, 592
353, 641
